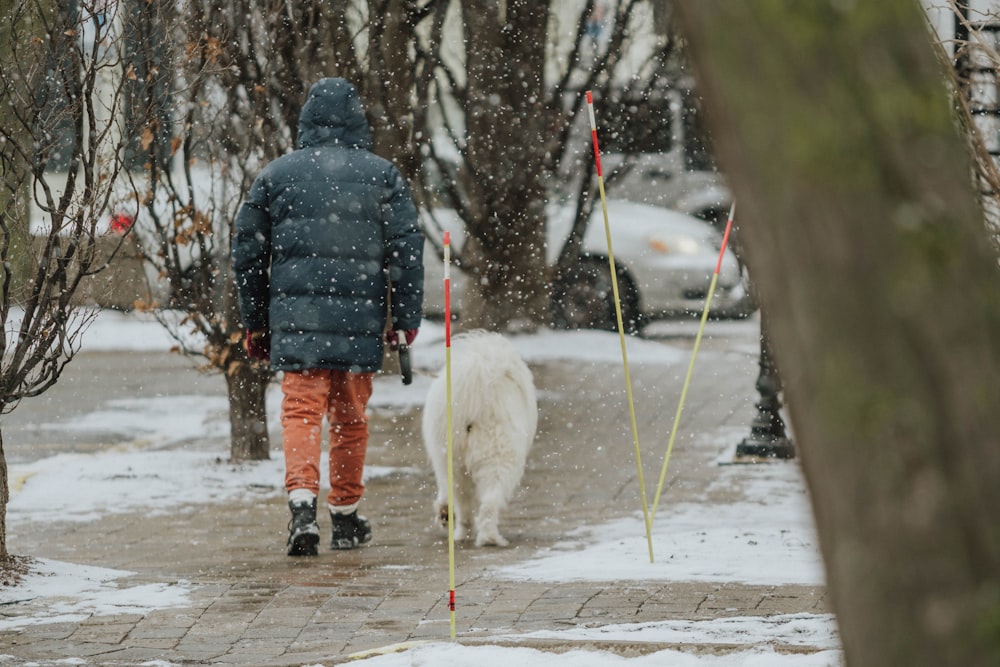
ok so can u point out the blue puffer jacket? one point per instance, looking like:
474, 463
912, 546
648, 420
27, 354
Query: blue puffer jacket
320, 234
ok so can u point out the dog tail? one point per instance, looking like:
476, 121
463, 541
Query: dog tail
482, 363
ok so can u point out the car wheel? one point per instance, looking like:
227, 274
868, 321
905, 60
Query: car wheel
717, 217
583, 297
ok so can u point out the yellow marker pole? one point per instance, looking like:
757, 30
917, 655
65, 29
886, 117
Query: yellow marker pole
450, 438
694, 354
621, 328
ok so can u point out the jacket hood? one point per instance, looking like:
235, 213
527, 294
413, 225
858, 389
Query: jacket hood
333, 114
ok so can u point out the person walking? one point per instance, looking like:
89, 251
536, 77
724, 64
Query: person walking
324, 234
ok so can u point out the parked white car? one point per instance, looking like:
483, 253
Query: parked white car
664, 259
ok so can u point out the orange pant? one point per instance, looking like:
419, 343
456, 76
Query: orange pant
342, 397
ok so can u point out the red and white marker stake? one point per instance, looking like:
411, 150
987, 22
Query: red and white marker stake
451, 479
621, 328
694, 354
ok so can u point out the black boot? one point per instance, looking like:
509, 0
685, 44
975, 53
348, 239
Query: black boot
303, 531
349, 530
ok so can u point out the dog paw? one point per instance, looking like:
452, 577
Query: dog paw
491, 540
441, 521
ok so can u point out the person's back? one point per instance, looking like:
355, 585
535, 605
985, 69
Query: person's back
320, 237
336, 216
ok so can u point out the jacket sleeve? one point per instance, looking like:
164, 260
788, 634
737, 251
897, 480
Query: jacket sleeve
404, 254
251, 255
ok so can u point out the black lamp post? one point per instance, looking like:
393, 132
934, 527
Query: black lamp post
767, 439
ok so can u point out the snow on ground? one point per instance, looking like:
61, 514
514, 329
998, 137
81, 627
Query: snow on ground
501, 656
75, 592
691, 542
787, 629
697, 542
152, 481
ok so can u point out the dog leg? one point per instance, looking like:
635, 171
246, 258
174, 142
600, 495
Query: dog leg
487, 527
464, 502
441, 512
492, 497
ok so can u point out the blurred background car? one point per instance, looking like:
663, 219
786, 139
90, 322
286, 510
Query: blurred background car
664, 260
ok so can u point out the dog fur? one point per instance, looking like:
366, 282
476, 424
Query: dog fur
494, 418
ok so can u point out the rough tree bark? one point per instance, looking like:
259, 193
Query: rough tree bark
862, 232
390, 82
505, 94
246, 385
4, 500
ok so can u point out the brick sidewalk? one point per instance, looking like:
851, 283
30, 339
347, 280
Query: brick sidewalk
251, 605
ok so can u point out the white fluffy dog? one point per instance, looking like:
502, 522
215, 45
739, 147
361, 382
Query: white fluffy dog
494, 417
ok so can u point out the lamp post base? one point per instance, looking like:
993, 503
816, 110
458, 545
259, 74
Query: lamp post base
767, 439
754, 451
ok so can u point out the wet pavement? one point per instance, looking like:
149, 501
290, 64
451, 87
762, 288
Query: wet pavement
252, 605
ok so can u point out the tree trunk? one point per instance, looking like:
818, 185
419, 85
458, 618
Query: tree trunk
247, 386
4, 500
391, 83
861, 230
505, 116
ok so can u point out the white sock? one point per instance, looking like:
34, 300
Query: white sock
296, 496
342, 509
